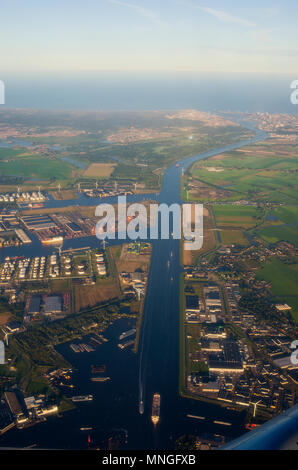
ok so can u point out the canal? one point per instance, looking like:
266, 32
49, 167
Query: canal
135, 377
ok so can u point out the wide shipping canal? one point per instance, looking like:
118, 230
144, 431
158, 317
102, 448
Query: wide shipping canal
155, 369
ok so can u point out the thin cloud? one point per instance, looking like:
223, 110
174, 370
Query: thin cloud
226, 17
218, 14
145, 12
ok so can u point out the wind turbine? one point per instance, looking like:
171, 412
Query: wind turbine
6, 335
255, 408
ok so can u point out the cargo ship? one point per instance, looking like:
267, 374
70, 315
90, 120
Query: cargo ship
100, 379
222, 423
37, 205
81, 398
196, 417
127, 334
126, 344
52, 241
155, 415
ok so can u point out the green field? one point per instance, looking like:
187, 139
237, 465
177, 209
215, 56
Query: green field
236, 216
261, 172
34, 166
256, 159
286, 214
283, 279
233, 237
9, 153
274, 186
274, 234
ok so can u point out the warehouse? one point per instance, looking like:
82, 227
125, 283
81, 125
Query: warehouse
13, 403
74, 227
34, 305
192, 303
53, 304
223, 367
38, 222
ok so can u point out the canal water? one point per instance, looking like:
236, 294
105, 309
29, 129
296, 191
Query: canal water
134, 377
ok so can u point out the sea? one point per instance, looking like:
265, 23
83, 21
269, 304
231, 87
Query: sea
150, 91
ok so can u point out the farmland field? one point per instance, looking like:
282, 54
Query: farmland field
100, 170
236, 216
283, 280
258, 172
37, 167
103, 290
233, 237
287, 214
274, 234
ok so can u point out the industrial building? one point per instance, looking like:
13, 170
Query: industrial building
34, 305
38, 222
215, 331
15, 407
192, 303
74, 227
53, 304
228, 361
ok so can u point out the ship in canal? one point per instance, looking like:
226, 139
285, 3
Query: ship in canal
127, 334
81, 398
155, 415
100, 379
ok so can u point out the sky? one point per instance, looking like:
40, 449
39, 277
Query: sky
218, 36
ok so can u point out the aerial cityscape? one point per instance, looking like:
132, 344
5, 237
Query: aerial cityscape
117, 343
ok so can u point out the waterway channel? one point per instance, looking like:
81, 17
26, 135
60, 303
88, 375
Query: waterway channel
154, 369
